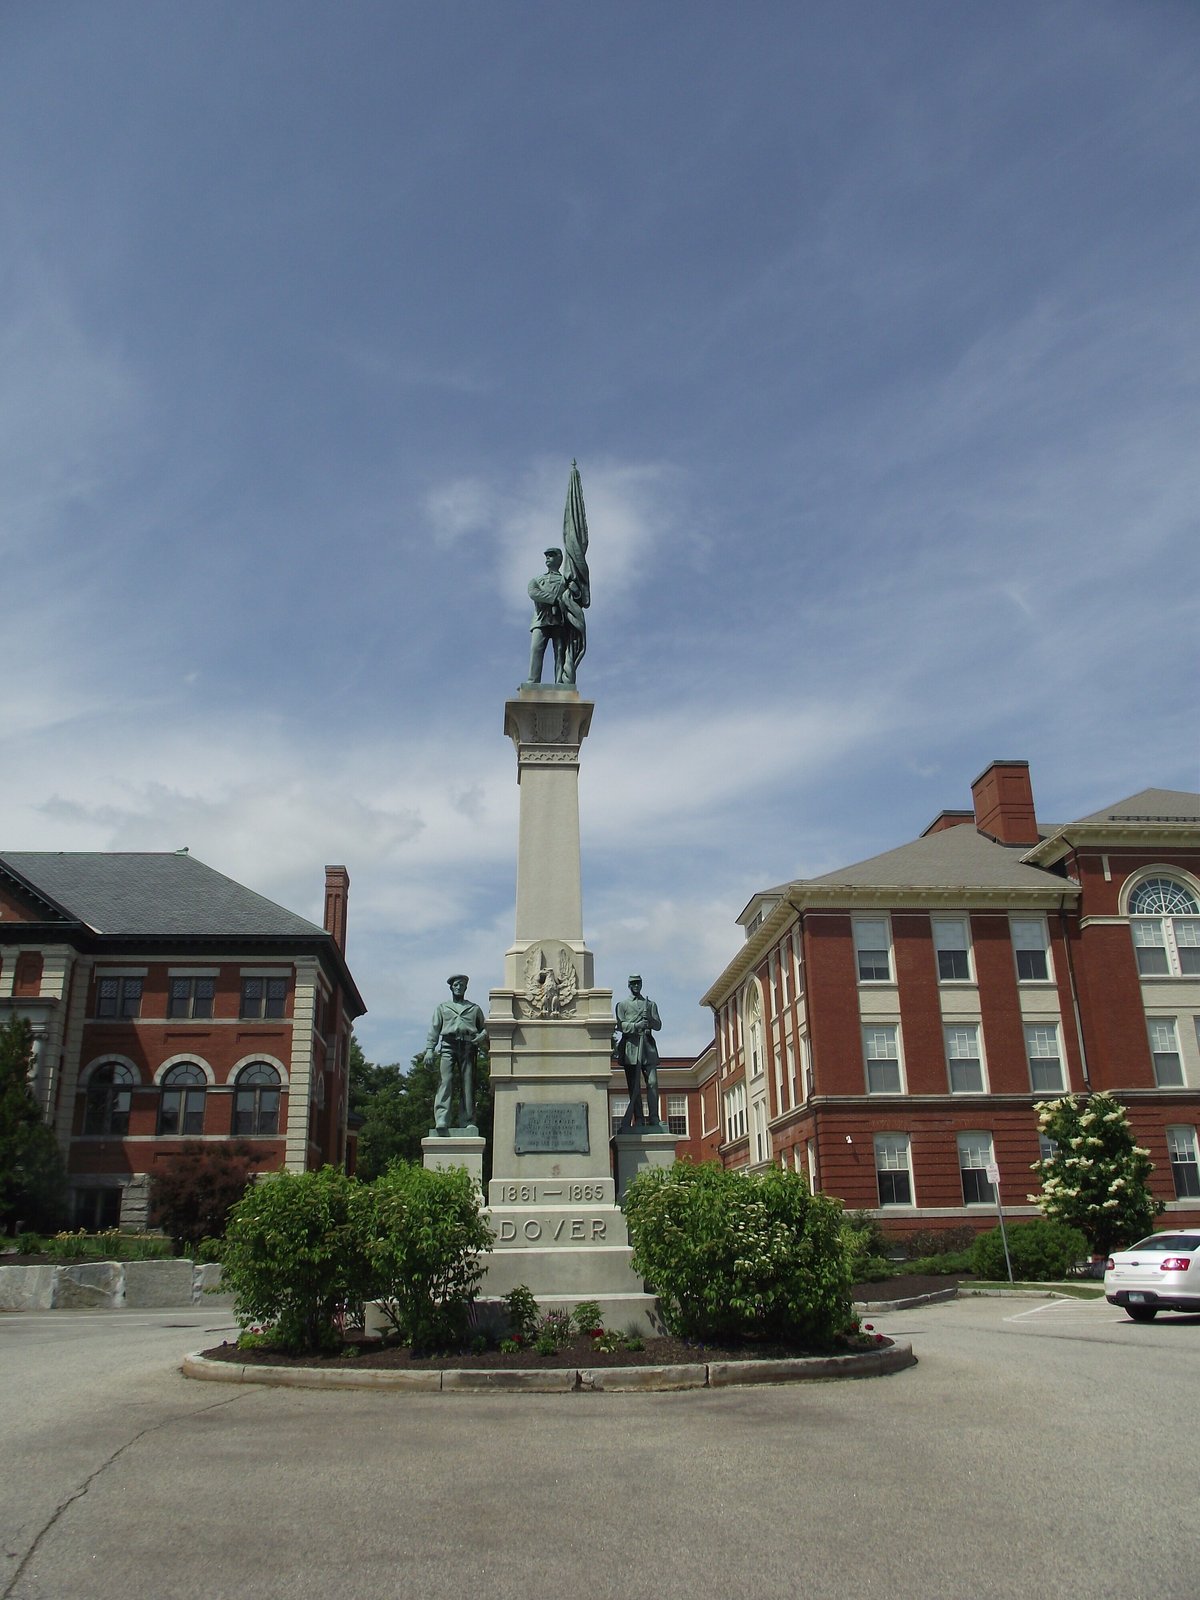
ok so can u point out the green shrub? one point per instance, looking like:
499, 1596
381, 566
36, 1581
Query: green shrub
521, 1309
937, 1242
871, 1269
429, 1235
933, 1266
1039, 1251
587, 1317
296, 1255
738, 1254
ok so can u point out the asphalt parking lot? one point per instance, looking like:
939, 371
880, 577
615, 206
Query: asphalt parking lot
1039, 1448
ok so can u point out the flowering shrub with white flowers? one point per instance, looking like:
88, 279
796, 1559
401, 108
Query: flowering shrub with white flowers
1097, 1179
740, 1254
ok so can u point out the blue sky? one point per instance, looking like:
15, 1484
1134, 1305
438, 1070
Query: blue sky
874, 329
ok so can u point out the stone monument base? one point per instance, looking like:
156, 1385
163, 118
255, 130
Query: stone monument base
638, 1150
461, 1147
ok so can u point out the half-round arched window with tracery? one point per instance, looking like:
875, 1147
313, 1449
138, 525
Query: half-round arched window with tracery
256, 1100
109, 1096
1165, 920
754, 1032
181, 1104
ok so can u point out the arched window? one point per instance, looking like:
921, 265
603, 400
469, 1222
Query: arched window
1165, 919
109, 1096
754, 1032
181, 1105
256, 1100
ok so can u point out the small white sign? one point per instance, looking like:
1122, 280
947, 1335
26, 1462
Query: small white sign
993, 1172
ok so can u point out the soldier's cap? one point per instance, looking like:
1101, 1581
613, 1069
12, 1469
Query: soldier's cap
455, 976
635, 977
552, 550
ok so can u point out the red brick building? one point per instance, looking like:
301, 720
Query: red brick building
168, 1003
887, 1029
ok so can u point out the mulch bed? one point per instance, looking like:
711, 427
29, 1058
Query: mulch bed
578, 1352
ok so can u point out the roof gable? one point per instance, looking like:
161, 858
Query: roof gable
151, 894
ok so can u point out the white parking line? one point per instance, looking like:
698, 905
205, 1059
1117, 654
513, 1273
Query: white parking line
1033, 1311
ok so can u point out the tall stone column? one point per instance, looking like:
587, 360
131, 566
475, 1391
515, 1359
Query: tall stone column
551, 1197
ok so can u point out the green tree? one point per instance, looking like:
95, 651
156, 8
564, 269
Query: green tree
191, 1198
1097, 1179
397, 1110
32, 1179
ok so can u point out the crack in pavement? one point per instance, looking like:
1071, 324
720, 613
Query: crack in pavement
78, 1494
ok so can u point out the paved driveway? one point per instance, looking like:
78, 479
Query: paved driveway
1037, 1450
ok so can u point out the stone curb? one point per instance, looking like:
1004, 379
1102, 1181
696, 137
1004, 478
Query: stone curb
933, 1298
561, 1380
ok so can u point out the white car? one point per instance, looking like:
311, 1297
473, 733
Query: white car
1161, 1273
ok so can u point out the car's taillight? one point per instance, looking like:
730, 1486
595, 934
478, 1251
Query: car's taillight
1109, 1264
1176, 1263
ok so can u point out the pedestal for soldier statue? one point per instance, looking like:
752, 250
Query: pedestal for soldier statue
455, 1036
552, 1197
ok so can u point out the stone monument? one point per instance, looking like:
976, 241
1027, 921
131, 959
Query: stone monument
456, 1035
552, 1197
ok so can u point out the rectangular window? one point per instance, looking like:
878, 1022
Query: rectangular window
761, 1144
118, 997
974, 1158
1187, 945
1047, 1147
735, 1112
963, 1058
1185, 1165
1031, 948
1164, 1047
677, 1118
1150, 948
881, 1049
616, 1113
872, 947
190, 997
263, 997
1045, 1058
950, 942
893, 1170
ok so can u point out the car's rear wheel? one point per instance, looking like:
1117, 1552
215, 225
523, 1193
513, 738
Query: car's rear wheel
1142, 1313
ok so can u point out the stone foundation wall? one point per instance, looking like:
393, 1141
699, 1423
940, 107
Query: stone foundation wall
111, 1286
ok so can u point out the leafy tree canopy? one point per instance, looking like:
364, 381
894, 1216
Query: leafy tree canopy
32, 1179
397, 1109
1097, 1179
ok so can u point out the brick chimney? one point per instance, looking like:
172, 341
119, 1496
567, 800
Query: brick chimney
337, 893
1003, 799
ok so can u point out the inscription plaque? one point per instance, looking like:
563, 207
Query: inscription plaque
551, 1129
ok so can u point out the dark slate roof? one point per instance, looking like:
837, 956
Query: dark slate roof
153, 894
1148, 805
954, 858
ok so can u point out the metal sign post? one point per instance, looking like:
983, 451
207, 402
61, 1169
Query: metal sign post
993, 1177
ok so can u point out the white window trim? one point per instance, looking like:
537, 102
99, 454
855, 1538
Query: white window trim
898, 1058
886, 921
894, 1205
1032, 983
947, 1027
1030, 1058
968, 948
976, 1133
